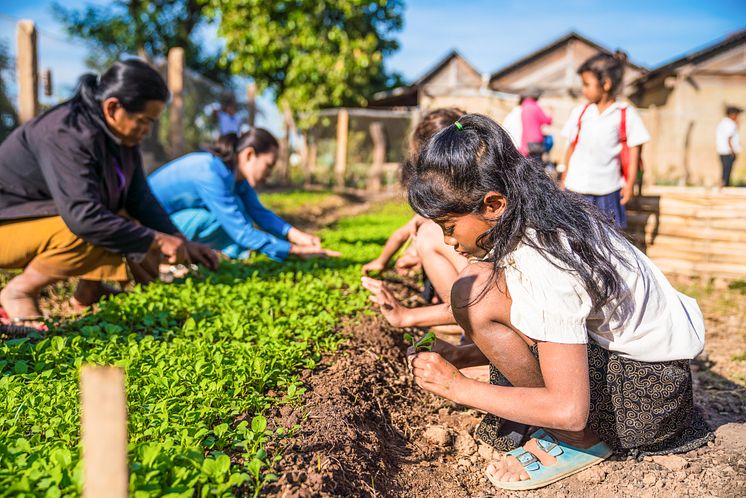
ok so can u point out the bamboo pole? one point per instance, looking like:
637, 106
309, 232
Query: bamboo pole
103, 432
176, 86
27, 71
340, 165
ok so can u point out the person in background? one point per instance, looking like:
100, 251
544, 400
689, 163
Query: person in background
727, 142
210, 197
593, 158
74, 201
533, 120
228, 119
440, 263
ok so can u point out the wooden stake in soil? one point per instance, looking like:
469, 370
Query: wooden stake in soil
104, 432
176, 86
340, 165
27, 71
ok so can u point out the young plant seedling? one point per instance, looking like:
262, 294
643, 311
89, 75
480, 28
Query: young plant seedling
424, 344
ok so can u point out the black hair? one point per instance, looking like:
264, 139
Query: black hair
731, 109
132, 82
458, 167
227, 147
606, 67
429, 125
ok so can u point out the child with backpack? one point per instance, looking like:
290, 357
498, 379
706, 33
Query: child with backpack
605, 137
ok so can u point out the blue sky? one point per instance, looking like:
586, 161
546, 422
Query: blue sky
490, 33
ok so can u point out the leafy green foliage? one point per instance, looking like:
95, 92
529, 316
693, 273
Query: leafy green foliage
204, 361
425, 343
318, 54
146, 28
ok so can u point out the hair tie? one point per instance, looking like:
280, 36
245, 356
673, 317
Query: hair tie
458, 126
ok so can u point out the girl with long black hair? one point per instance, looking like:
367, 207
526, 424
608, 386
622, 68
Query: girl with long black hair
73, 197
591, 341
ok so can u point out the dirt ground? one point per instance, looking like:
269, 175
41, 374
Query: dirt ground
369, 431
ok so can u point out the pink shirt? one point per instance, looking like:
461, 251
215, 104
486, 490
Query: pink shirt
532, 119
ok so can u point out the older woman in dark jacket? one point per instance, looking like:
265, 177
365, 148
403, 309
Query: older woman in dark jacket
73, 196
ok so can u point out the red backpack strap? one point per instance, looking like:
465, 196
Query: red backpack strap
623, 126
580, 124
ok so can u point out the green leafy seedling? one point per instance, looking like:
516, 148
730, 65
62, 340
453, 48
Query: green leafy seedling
424, 344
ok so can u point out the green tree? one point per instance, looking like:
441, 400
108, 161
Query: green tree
311, 53
148, 28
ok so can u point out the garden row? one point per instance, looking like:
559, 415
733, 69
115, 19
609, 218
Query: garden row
204, 360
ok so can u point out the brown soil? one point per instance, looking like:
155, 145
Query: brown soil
369, 431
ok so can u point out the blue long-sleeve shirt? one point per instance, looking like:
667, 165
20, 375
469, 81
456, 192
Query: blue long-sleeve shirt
201, 180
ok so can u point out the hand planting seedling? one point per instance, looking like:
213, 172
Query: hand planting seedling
424, 344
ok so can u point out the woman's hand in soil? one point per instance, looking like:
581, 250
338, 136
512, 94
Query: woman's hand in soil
202, 255
373, 266
304, 239
172, 247
390, 307
435, 374
307, 252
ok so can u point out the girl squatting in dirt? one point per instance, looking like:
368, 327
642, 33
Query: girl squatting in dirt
592, 342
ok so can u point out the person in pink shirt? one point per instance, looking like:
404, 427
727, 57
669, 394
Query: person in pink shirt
533, 118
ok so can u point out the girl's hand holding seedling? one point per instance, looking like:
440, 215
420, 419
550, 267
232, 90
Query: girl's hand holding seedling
407, 263
392, 311
434, 374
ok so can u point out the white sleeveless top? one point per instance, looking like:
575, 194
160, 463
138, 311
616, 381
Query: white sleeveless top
652, 322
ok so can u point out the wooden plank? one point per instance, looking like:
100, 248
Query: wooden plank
27, 71
379, 156
704, 270
176, 86
340, 165
651, 229
734, 223
103, 432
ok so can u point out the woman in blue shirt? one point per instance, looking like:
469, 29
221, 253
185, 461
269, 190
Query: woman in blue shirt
210, 197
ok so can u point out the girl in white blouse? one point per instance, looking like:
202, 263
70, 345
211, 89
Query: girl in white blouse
593, 341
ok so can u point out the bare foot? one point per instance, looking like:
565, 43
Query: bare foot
21, 308
89, 292
511, 470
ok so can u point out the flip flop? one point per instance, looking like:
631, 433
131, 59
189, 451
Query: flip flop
570, 460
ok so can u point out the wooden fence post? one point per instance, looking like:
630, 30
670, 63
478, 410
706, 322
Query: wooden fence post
312, 153
103, 424
176, 86
340, 165
251, 102
27, 71
379, 156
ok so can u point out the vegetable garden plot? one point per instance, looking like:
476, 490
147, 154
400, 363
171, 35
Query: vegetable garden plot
197, 355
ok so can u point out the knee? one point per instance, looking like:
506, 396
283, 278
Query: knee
429, 236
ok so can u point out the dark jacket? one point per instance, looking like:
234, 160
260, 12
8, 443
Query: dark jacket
65, 163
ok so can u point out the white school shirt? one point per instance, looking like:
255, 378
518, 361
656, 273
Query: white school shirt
229, 124
514, 126
594, 166
727, 129
653, 322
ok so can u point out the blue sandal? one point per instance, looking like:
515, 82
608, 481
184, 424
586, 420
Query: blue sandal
570, 460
